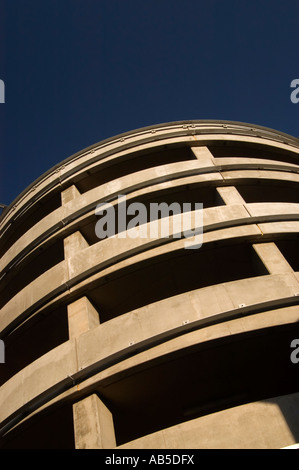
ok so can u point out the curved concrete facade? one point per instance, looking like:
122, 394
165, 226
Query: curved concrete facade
137, 342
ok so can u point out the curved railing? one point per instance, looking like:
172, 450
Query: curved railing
61, 371
136, 333
155, 134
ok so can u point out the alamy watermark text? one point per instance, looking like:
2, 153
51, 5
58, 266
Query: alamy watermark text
159, 220
2, 352
295, 353
2, 91
295, 93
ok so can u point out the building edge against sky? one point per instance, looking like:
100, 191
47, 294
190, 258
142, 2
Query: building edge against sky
139, 342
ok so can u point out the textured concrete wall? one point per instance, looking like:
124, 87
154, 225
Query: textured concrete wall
135, 306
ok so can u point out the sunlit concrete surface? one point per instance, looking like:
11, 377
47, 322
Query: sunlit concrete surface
129, 342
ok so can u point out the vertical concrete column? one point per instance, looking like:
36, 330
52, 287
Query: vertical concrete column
74, 243
82, 316
93, 424
272, 258
69, 193
229, 195
202, 153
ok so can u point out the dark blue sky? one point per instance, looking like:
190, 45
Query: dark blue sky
79, 71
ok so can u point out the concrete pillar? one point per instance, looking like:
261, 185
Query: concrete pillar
93, 424
74, 243
82, 316
90, 415
272, 258
230, 195
202, 153
69, 193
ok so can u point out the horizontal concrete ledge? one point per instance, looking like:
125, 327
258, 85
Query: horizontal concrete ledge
77, 377
35, 404
171, 172
188, 327
62, 218
255, 425
200, 134
86, 263
121, 249
282, 211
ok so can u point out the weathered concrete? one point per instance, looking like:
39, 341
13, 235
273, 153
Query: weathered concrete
38, 378
82, 316
113, 336
272, 258
260, 425
230, 195
93, 424
92, 197
95, 280
74, 243
68, 194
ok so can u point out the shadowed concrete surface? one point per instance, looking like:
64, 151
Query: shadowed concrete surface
139, 342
